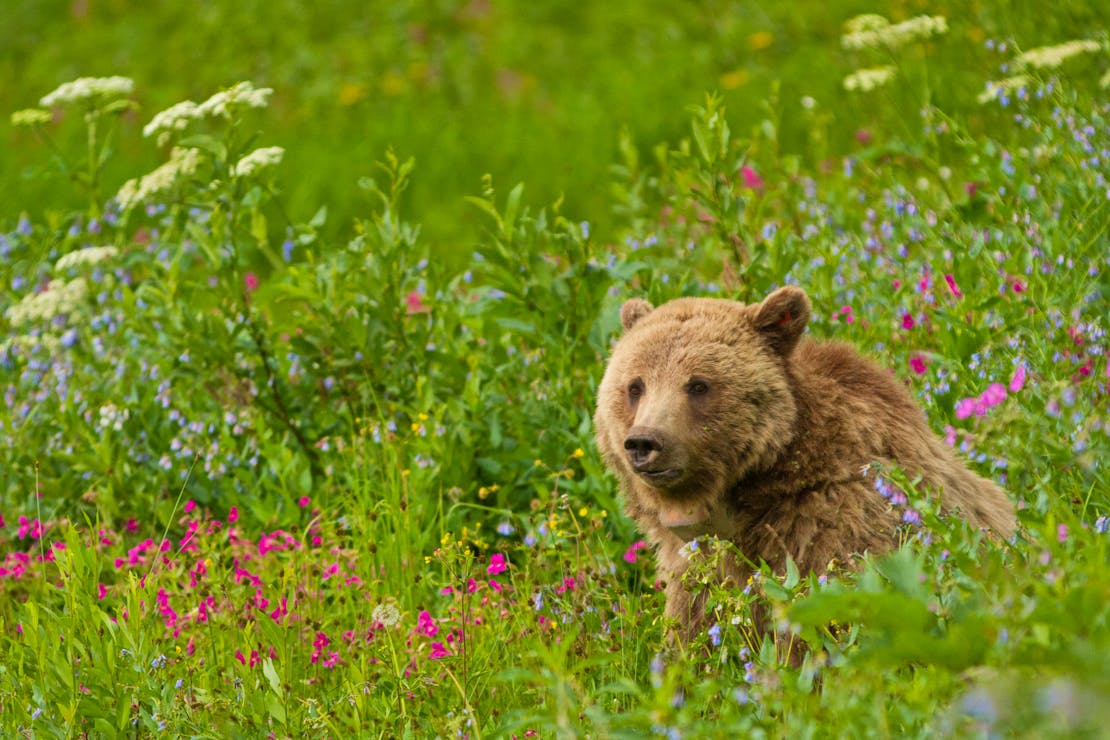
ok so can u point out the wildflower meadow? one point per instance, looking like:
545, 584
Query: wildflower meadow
277, 466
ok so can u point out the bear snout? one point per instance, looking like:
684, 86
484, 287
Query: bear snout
644, 448
654, 457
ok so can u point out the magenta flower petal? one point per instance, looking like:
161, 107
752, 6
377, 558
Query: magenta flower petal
497, 564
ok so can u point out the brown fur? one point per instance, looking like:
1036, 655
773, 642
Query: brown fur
745, 431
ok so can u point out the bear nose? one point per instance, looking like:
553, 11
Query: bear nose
643, 448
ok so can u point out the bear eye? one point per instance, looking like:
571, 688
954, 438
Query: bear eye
697, 387
635, 389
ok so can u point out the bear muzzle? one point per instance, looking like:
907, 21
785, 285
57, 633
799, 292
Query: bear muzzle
652, 457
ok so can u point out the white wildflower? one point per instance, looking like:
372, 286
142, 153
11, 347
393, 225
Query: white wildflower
259, 159
59, 298
241, 95
1048, 57
872, 31
1003, 87
808, 103
386, 615
864, 80
112, 417
183, 162
31, 117
86, 256
173, 119
87, 90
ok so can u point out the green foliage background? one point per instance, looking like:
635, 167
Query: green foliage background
527, 91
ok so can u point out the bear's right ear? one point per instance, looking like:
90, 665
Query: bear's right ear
782, 317
633, 310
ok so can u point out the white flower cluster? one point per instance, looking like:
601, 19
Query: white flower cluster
86, 256
88, 90
31, 117
223, 104
60, 297
241, 95
865, 80
183, 162
873, 31
112, 417
1050, 57
175, 118
259, 159
1004, 87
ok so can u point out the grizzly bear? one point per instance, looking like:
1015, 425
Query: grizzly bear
720, 419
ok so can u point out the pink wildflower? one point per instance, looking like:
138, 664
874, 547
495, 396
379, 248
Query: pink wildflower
751, 178
497, 564
233, 515
28, 527
994, 395
101, 591
303, 501
630, 553
250, 282
415, 303
907, 321
917, 364
438, 651
964, 407
1061, 532
568, 585
1017, 382
426, 625
189, 506
952, 286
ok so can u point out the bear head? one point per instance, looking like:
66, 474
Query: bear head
695, 397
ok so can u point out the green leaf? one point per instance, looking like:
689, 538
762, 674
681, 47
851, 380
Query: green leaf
271, 674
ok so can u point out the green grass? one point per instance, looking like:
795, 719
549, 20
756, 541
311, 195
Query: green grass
269, 472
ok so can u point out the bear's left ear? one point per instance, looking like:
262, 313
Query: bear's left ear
782, 317
633, 310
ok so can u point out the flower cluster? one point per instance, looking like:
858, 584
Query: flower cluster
1050, 57
87, 91
85, 257
182, 163
243, 95
176, 118
59, 298
224, 104
991, 397
31, 117
865, 80
259, 159
873, 31
1004, 87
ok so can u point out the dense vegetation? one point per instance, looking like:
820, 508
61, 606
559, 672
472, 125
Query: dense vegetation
276, 460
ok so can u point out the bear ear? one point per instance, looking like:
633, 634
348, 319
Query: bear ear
782, 317
633, 310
